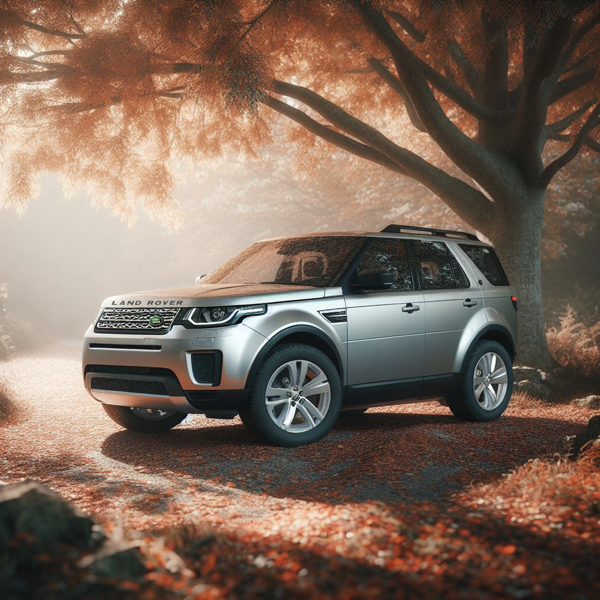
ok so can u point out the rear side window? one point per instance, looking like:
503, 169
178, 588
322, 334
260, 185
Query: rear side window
487, 262
434, 266
388, 255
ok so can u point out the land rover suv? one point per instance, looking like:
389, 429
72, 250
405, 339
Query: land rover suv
293, 331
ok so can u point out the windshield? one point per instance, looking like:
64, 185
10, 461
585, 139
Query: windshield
314, 261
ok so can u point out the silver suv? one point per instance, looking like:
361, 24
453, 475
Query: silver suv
292, 331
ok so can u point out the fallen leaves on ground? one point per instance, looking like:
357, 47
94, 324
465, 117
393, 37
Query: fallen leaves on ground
400, 502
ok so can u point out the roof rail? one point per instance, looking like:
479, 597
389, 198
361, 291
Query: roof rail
443, 232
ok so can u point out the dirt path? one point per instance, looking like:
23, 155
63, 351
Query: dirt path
343, 496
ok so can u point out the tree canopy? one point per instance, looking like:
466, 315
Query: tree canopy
112, 93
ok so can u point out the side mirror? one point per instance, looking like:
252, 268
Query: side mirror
199, 278
375, 280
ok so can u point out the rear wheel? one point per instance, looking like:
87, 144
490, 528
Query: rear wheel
486, 383
295, 398
146, 420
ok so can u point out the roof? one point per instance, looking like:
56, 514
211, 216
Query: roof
400, 231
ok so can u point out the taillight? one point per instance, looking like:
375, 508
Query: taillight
514, 301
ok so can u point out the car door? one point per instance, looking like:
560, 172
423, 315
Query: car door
386, 328
453, 306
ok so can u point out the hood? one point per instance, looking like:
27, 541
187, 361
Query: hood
216, 295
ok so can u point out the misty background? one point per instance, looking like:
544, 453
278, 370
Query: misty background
63, 256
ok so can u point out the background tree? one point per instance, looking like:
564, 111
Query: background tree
112, 93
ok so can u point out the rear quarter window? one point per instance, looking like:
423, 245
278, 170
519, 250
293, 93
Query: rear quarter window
486, 260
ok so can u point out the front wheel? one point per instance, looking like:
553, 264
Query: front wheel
145, 420
296, 396
486, 383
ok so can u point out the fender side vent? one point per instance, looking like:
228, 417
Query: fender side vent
337, 315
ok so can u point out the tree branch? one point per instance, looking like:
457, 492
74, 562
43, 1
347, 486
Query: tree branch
50, 53
457, 94
565, 137
408, 27
573, 83
495, 71
8, 78
77, 107
532, 109
164, 68
552, 169
38, 63
462, 198
461, 60
474, 160
569, 119
341, 119
397, 86
331, 136
255, 20
529, 47
576, 39
55, 32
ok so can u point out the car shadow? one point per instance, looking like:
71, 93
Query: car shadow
380, 456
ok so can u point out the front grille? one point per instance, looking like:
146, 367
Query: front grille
132, 386
206, 367
136, 320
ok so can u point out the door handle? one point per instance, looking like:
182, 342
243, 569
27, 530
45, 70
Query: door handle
410, 308
468, 302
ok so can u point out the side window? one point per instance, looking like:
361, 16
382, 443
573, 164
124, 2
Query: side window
487, 262
388, 255
434, 266
462, 281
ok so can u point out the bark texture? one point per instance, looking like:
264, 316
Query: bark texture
517, 238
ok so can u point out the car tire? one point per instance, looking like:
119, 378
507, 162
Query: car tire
130, 419
476, 399
262, 412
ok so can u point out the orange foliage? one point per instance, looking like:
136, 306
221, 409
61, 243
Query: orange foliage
576, 347
114, 95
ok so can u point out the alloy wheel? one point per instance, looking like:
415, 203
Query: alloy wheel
298, 396
490, 381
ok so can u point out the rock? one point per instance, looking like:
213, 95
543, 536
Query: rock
592, 401
115, 560
32, 508
548, 379
591, 433
537, 390
527, 374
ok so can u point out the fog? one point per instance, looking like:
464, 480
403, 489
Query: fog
62, 257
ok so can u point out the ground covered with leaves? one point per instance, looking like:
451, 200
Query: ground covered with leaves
402, 501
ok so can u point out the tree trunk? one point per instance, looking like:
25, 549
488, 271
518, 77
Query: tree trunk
517, 238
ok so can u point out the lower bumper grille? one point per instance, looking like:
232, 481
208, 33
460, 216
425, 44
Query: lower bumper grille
206, 367
131, 386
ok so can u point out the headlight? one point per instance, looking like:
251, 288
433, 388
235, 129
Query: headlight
222, 315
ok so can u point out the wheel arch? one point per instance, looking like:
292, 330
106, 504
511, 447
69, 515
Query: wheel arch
498, 333
495, 333
299, 334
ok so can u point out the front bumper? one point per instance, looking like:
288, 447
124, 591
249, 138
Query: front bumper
156, 372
